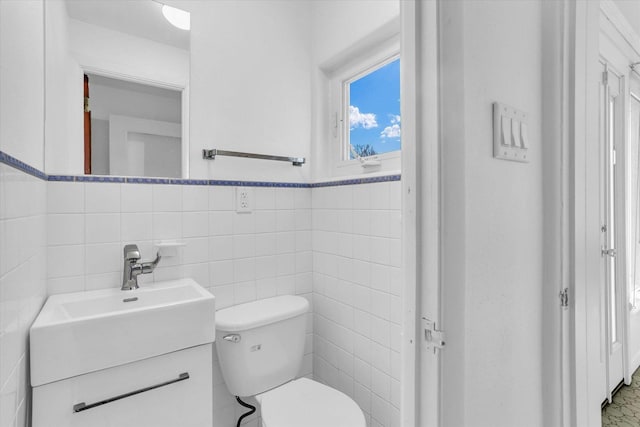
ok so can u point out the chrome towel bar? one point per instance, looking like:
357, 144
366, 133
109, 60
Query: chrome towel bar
82, 406
211, 155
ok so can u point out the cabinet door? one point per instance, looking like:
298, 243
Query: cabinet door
171, 390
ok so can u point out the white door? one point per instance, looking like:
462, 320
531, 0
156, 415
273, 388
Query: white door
611, 119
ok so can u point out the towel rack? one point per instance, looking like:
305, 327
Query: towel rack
211, 155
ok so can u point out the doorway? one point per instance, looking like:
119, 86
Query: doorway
613, 342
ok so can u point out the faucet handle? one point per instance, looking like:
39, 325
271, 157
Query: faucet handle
131, 252
148, 267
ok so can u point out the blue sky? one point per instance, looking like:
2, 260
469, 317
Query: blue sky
374, 109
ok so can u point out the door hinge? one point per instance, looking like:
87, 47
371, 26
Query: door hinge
564, 297
86, 105
434, 338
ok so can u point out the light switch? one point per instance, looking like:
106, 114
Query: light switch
524, 137
505, 135
510, 133
515, 133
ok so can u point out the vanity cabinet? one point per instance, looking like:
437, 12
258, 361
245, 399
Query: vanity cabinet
170, 390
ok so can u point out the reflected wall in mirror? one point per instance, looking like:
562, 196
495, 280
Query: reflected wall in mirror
134, 129
136, 97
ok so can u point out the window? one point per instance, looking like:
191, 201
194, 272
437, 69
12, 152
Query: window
371, 107
364, 111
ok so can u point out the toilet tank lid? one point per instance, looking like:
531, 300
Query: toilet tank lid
263, 312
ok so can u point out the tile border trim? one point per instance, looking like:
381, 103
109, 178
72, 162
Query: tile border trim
17, 164
357, 181
21, 166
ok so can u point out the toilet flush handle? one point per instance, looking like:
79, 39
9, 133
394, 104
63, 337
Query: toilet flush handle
235, 338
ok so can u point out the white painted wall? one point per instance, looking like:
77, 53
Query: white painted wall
22, 80
631, 11
137, 147
340, 32
124, 55
250, 87
492, 218
134, 101
337, 24
64, 150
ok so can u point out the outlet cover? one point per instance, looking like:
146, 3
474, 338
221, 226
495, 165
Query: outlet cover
244, 199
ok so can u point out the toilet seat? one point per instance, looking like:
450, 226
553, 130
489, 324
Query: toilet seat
304, 402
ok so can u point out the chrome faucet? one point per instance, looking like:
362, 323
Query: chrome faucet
132, 268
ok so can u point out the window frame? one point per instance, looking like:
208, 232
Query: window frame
358, 66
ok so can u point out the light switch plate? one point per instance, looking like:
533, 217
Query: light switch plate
510, 133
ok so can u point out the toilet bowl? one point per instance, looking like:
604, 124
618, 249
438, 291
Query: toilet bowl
304, 402
260, 347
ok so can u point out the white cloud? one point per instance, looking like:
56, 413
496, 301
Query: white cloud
392, 131
394, 119
358, 119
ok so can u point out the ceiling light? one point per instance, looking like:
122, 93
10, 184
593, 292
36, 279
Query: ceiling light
177, 17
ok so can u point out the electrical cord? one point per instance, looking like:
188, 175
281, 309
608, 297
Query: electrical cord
252, 410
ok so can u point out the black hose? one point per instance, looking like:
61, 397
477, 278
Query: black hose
252, 410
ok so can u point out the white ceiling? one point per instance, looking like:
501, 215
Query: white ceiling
141, 18
631, 10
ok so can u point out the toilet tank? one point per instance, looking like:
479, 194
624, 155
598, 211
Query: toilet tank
260, 344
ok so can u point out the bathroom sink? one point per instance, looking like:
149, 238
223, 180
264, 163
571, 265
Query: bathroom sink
84, 332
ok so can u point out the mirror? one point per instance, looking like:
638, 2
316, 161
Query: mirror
131, 66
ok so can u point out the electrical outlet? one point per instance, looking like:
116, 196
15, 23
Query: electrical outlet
244, 199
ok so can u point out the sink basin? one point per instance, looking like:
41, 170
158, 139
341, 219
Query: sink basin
84, 332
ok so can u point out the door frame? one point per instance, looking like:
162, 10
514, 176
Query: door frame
420, 381
612, 65
581, 358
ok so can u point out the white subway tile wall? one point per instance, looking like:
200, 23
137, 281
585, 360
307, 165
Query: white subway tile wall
337, 246
239, 257
23, 264
356, 293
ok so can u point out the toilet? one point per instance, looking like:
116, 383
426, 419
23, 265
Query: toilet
260, 346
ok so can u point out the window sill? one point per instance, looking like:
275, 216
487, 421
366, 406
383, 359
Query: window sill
390, 164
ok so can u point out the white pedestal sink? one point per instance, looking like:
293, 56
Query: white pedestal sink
83, 332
